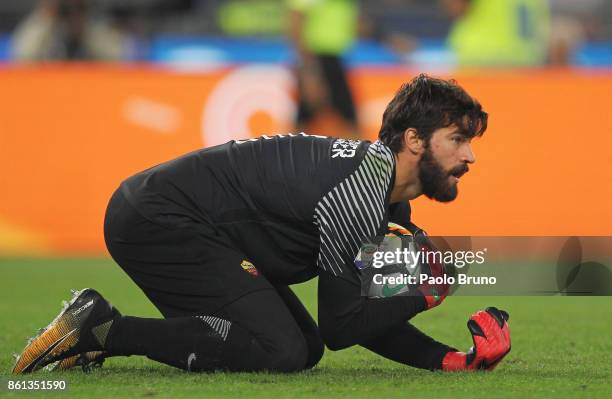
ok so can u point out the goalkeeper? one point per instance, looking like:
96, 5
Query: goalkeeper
216, 237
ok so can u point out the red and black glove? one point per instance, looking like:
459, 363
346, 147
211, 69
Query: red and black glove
436, 291
491, 336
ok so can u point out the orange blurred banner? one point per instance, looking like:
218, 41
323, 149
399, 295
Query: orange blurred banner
69, 134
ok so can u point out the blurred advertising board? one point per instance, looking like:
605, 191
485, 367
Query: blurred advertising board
69, 134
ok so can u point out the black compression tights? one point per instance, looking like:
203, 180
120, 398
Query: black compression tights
266, 336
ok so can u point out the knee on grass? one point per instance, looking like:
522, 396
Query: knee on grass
287, 355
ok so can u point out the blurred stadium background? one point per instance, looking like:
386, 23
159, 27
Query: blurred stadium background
93, 91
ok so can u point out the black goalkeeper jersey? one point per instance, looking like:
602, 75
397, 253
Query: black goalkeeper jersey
293, 203
297, 205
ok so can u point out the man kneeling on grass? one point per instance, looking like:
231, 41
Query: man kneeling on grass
214, 239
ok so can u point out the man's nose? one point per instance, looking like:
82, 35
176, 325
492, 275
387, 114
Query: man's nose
468, 154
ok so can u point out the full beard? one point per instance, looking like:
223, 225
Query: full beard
435, 181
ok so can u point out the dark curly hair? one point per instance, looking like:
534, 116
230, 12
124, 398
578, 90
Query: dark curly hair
427, 104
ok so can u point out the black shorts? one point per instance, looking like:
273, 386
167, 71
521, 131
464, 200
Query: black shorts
191, 270
194, 270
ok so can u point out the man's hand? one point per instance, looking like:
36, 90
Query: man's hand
434, 292
491, 337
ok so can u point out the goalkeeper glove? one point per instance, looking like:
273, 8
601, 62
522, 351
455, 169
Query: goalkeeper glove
491, 337
435, 292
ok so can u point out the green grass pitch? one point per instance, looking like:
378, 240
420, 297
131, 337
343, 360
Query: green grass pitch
561, 347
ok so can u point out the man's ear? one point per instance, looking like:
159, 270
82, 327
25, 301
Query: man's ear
413, 142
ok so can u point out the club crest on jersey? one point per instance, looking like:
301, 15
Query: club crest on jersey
249, 268
344, 148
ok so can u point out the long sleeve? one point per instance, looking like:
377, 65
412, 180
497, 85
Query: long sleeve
408, 345
346, 318
353, 210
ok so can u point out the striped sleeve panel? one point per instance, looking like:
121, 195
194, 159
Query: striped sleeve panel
354, 209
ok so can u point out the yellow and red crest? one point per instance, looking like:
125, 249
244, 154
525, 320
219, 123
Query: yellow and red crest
249, 268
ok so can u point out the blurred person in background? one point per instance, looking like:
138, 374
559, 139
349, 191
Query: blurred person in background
321, 32
66, 30
263, 18
499, 32
402, 25
572, 24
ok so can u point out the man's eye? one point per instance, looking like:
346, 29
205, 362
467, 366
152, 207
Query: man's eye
458, 139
